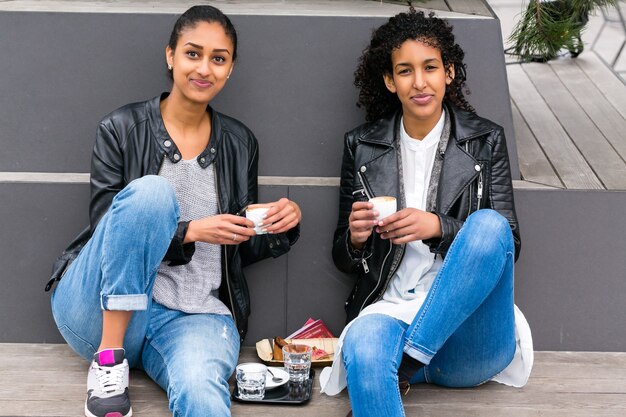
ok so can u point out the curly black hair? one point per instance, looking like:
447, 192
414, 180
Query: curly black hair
374, 96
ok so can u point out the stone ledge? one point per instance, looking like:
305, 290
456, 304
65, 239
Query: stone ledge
356, 8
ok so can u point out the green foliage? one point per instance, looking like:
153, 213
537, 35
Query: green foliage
403, 2
549, 26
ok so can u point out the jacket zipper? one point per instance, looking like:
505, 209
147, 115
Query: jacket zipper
479, 190
471, 188
230, 295
368, 194
480, 187
379, 276
391, 272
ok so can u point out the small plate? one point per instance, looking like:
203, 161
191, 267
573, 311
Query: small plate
278, 373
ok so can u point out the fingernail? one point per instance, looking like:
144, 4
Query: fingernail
259, 224
264, 216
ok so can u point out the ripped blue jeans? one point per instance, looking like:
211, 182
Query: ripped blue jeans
464, 332
191, 356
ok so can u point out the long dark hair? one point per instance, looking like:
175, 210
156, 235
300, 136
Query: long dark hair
375, 61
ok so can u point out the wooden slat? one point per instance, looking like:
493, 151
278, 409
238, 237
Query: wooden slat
563, 384
533, 162
477, 7
564, 156
607, 82
601, 156
605, 116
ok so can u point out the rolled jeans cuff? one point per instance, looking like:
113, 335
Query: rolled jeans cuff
126, 302
418, 355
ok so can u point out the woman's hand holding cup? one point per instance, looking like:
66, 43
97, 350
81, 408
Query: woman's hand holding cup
361, 222
408, 225
281, 216
366, 215
222, 229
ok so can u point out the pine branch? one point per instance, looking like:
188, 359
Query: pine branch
546, 27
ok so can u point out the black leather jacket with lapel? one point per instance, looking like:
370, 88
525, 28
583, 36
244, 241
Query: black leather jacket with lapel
475, 174
132, 142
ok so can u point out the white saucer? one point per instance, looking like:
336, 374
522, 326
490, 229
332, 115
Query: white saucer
278, 373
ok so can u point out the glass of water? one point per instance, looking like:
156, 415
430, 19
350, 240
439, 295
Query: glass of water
297, 360
251, 380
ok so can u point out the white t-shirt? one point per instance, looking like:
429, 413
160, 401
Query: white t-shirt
411, 282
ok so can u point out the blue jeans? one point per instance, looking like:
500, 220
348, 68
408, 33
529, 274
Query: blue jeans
464, 332
191, 356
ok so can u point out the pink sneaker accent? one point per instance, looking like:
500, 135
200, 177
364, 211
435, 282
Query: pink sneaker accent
107, 357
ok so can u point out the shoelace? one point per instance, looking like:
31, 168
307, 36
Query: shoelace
111, 378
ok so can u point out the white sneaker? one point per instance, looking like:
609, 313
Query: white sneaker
107, 385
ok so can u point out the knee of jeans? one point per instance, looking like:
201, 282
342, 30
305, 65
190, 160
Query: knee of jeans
487, 222
153, 193
203, 392
362, 353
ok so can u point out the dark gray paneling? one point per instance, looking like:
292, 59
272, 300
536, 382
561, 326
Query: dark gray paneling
37, 222
571, 276
292, 85
267, 282
315, 287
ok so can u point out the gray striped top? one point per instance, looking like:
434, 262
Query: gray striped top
192, 288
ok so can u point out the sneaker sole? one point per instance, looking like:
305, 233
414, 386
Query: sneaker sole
112, 414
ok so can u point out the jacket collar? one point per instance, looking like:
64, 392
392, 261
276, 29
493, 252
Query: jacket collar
463, 126
458, 167
165, 142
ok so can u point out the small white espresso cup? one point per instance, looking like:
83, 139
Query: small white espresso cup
255, 213
385, 206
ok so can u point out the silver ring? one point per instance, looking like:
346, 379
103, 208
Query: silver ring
234, 237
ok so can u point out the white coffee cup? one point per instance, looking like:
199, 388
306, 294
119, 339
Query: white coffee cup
385, 206
255, 213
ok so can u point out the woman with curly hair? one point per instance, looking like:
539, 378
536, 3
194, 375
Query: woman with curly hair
433, 299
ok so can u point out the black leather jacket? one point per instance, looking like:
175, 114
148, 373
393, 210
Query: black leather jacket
475, 174
132, 141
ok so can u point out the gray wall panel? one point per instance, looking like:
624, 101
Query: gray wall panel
37, 222
316, 288
292, 85
571, 277
267, 282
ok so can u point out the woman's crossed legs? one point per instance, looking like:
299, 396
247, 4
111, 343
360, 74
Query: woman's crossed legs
464, 333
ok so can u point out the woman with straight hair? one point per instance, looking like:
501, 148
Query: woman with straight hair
156, 281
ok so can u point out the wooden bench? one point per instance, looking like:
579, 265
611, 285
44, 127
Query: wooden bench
46, 380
